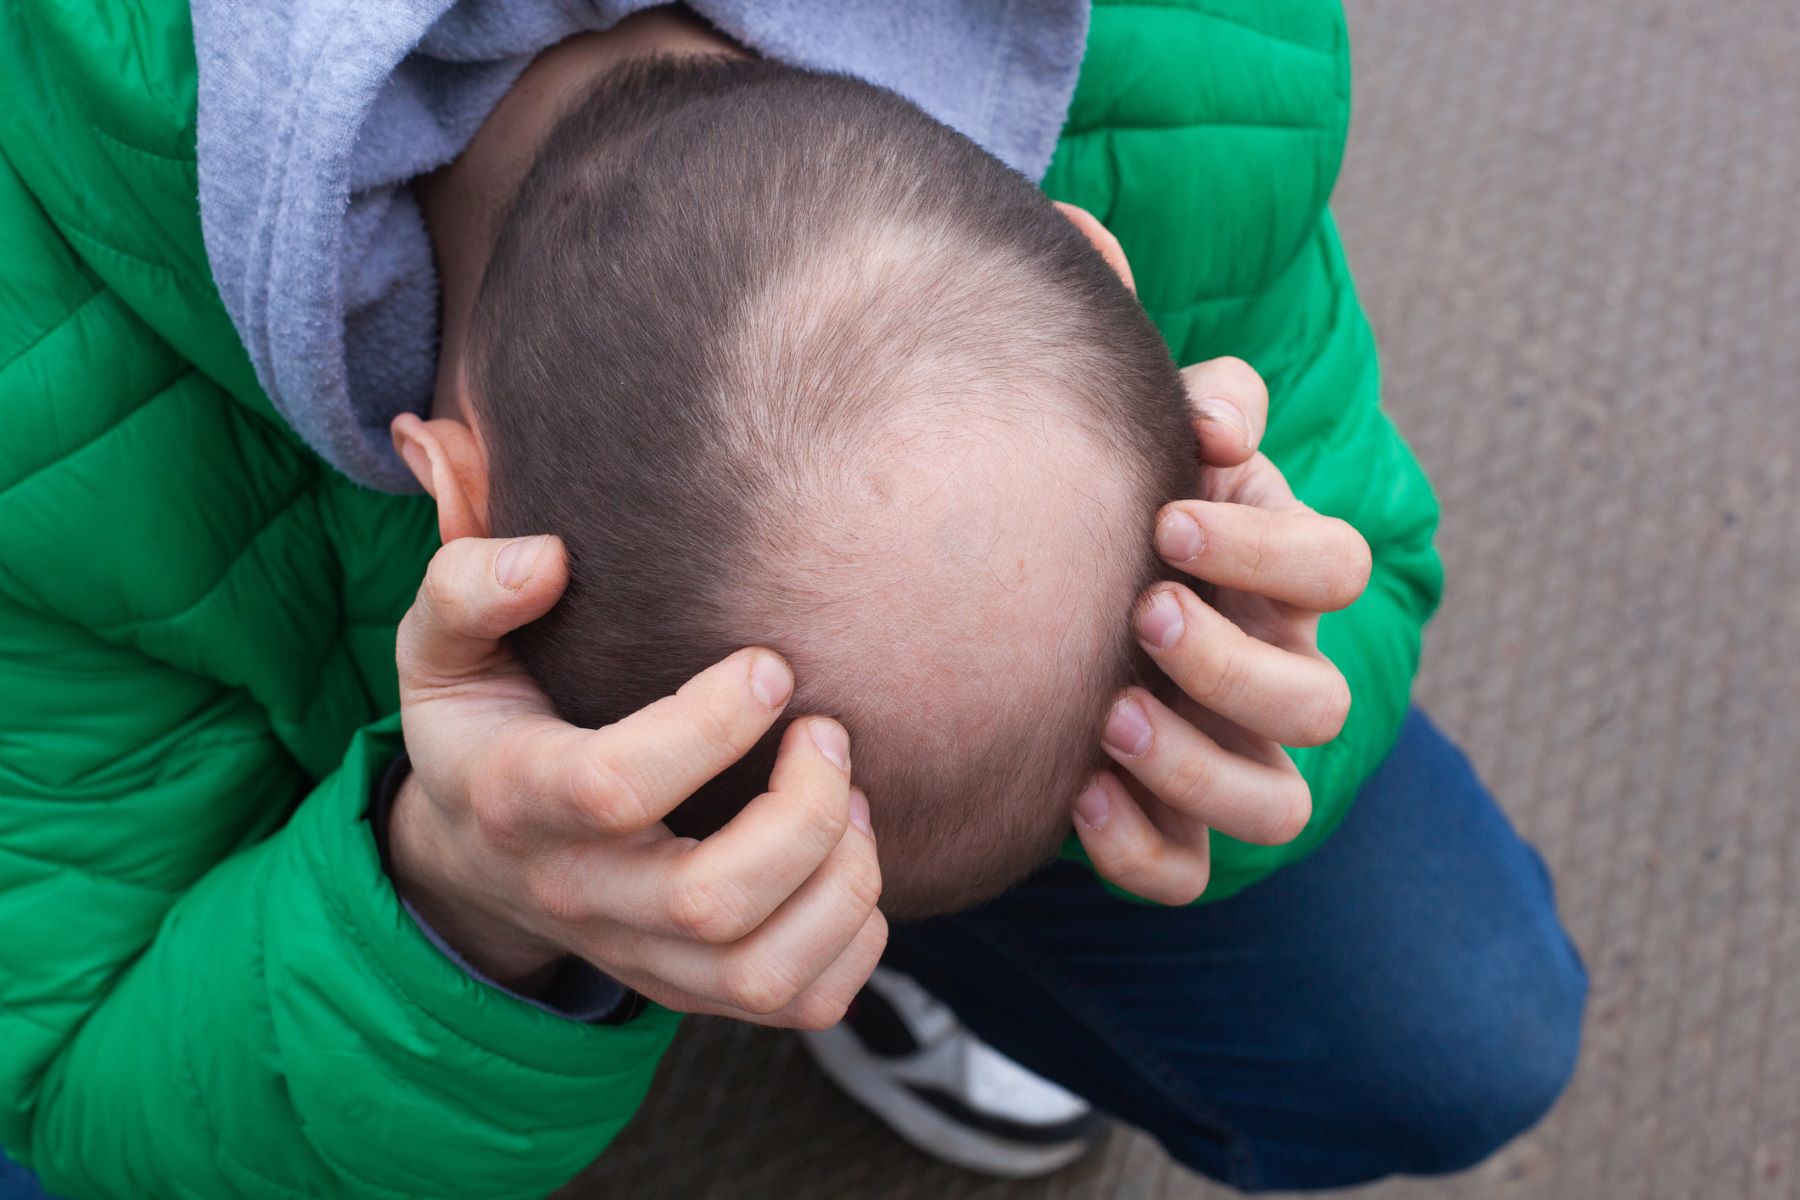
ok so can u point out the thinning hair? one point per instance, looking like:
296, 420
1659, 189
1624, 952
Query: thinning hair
730, 299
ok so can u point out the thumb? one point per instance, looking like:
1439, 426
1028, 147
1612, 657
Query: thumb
476, 591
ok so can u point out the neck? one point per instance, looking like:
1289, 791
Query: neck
465, 203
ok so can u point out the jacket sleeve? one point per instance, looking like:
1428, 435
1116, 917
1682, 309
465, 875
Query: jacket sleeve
267, 1024
191, 1004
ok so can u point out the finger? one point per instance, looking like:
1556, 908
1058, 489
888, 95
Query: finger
721, 889
825, 1002
1300, 558
1231, 409
567, 782
477, 590
774, 966
1130, 851
1266, 803
1293, 699
820, 1006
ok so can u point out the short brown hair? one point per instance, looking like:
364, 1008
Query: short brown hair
723, 287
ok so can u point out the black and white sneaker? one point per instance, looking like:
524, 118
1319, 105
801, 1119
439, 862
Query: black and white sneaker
907, 1059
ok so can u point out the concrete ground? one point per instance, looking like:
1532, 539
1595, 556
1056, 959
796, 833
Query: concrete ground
1577, 231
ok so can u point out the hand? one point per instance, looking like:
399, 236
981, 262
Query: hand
520, 838
1245, 672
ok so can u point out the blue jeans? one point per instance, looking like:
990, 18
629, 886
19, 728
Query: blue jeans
1404, 1000
16, 1183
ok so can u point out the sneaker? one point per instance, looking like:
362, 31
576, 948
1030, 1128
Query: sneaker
907, 1059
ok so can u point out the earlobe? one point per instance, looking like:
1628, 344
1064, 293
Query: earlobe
1102, 239
450, 464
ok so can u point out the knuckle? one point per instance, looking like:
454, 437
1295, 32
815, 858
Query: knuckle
556, 893
438, 592
818, 816
1256, 552
1239, 375
1324, 714
496, 823
1186, 887
499, 828
494, 800
1337, 706
756, 986
1133, 866
497, 818
407, 634
709, 912
818, 1010
1355, 562
1191, 779
718, 734
862, 881
610, 797
1220, 669
874, 938
1291, 812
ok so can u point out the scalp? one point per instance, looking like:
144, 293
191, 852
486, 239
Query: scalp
945, 545
963, 613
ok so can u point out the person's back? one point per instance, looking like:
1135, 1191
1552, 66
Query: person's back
786, 362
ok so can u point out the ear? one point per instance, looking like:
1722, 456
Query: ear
449, 462
1103, 241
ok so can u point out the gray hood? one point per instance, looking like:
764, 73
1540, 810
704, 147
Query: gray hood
316, 115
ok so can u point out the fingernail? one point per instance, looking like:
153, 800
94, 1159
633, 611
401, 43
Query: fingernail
832, 742
518, 561
1128, 728
859, 812
1159, 622
1226, 415
1178, 538
1093, 806
770, 680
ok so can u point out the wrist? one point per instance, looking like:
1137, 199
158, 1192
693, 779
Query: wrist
418, 857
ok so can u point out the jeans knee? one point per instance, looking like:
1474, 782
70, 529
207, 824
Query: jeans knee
1498, 1076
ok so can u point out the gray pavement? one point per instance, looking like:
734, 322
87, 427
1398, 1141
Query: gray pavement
1577, 230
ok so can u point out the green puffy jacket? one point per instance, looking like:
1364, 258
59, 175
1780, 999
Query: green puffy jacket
207, 986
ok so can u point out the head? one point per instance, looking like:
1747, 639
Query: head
785, 362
